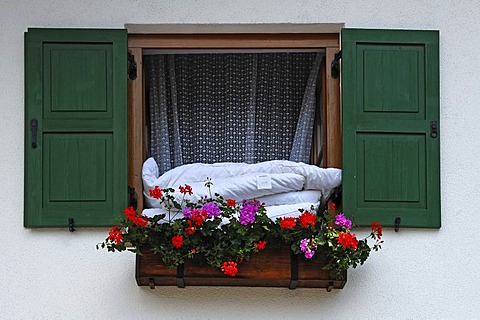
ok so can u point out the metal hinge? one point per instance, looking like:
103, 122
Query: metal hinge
132, 66
133, 197
335, 67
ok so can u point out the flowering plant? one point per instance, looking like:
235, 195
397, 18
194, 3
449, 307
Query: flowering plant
329, 238
224, 233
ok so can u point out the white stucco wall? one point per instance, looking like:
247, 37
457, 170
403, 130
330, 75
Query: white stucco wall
420, 274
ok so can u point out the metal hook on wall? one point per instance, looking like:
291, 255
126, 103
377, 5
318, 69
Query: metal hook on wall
71, 225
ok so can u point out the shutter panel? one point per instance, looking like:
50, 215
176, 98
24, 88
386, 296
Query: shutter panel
390, 95
75, 88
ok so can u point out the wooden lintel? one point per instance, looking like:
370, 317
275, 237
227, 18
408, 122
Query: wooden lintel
234, 41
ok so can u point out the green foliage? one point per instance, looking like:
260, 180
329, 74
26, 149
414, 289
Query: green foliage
216, 231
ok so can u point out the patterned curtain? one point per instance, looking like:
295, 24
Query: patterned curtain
231, 107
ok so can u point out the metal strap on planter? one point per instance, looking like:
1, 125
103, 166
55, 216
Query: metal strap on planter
180, 274
293, 270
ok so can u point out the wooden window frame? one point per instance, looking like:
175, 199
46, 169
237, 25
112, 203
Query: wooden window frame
330, 42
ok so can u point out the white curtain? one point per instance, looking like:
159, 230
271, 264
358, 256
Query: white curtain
231, 107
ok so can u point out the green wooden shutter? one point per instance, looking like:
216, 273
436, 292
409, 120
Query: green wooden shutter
390, 96
76, 89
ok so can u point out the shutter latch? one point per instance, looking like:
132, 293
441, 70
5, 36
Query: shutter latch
133, 197
132, 66
433, 129
335, 68
34, 128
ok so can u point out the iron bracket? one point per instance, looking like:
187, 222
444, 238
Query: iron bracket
293, 271
132, 66
71, 225
335, 67
397, 224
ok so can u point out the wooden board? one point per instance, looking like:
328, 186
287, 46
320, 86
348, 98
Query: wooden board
268, 268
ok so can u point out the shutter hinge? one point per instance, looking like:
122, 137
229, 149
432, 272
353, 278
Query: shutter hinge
132, 66
133, 197
335, 68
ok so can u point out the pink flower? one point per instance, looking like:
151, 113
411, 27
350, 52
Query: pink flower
309, 253
304, 245
247, 214
212, 209
342, 221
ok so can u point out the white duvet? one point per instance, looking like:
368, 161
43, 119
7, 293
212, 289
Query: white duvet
284, 186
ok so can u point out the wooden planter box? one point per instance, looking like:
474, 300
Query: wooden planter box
268, 268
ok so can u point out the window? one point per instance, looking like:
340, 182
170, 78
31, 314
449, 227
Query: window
328, 43
78, 167
210, 106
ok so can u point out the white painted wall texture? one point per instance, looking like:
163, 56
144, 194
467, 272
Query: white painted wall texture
420, 274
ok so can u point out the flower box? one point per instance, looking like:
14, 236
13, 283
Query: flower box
244, 251
272, 267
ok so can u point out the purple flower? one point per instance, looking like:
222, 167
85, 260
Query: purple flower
304, 245
247, 214
342, 221
253, 202
309, 253
187, 212
212, 209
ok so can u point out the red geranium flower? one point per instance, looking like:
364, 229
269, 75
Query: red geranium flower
190, 229
115, 235
347, 240
130, 213
141, 221
260, 244
376, 227
177, 241
230, 268
231, 202
307, 219
288, 223
186, 189
198, 216
332, 206
156, 192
